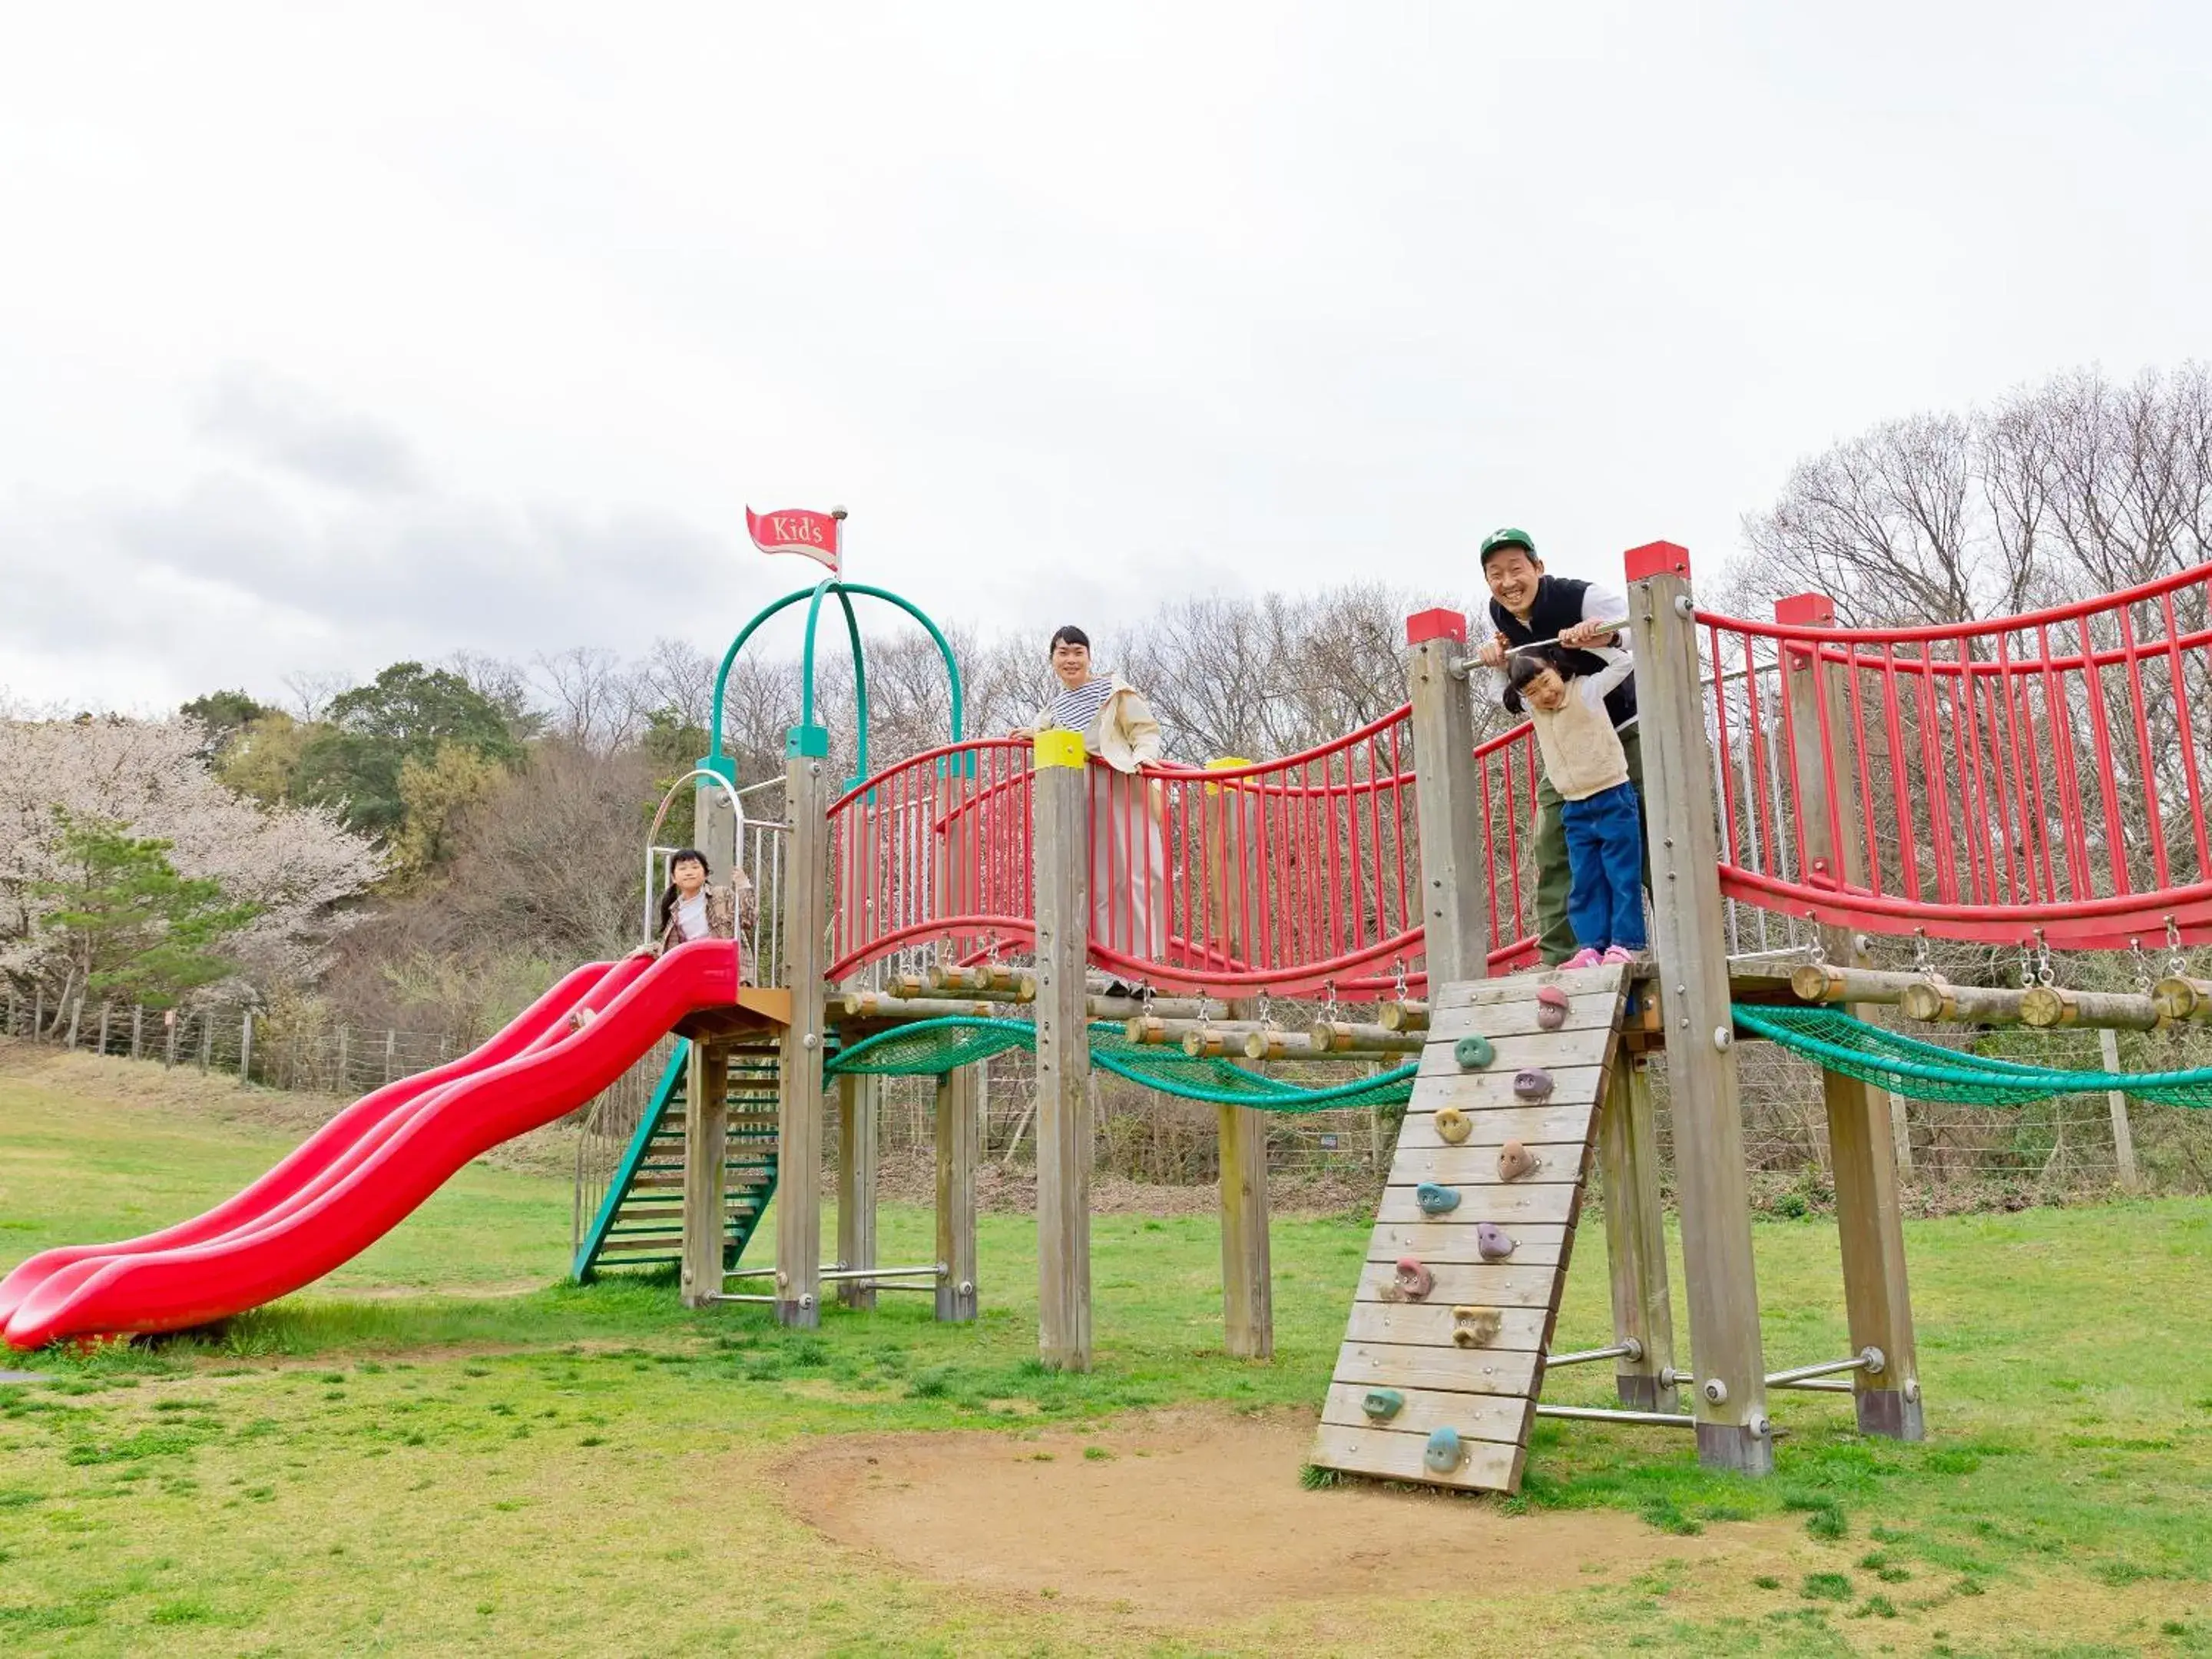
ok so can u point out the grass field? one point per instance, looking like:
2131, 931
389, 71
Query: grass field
441, 1448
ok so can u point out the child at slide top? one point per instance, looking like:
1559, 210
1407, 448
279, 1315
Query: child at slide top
1585, 762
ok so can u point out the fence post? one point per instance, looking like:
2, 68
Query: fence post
2124, 1138
1447, 798
959, 1150
138, 1029
345, 1057
391, 1052
245, 1047
77, 1016
1862, 1140
800, 1094
207, 1039
858, 1116
1061, 837
107, 1010
1712, 1189
169, 1044
38, 1010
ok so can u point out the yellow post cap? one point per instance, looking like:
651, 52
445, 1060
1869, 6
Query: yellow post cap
1059, 747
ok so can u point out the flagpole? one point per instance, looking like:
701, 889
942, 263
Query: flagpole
838, 513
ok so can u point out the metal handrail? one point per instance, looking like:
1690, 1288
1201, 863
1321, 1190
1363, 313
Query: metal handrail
660, 816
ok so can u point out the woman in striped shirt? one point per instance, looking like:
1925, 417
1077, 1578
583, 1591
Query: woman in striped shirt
1128, 851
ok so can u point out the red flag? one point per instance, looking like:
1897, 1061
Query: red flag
795, 529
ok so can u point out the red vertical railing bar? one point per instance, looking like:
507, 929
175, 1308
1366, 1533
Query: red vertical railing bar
1825, 723
2004, 760
1762, 788
1969, 802
1729, 843
2100, 734
2189, 778
1908, 834
1968, 704
1870, 842
2132, 666
2073, 833
1793, 788
1935, 773
2043, 870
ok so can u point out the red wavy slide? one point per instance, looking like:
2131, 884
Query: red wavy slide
371, 1165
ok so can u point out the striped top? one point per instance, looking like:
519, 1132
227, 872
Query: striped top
1077, 709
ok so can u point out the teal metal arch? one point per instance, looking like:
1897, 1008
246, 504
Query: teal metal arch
807, 737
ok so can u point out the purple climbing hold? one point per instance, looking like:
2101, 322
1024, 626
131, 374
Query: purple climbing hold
1491, 1241
1534, 1084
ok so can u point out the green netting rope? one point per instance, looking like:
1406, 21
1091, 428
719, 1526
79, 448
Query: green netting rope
933, 1047
1927, 1071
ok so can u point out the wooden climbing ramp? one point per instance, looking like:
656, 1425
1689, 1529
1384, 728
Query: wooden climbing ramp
1461, 1288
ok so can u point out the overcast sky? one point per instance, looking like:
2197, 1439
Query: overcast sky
331, 336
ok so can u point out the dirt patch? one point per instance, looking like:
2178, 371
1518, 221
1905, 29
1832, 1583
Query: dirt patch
1189, 1515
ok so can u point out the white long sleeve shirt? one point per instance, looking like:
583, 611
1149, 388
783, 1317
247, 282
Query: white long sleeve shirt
1582, 756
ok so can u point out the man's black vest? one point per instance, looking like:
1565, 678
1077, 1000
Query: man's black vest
1559, 606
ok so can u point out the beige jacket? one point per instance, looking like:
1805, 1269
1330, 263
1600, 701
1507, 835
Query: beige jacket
722, 917
1125, 735
1582, 756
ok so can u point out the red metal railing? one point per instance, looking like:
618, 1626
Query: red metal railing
1506, 767
934, 852
1285, 876
2040, 775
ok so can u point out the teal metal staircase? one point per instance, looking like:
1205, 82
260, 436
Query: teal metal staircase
639, 1222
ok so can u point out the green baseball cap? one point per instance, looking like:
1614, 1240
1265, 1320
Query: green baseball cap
1509, 537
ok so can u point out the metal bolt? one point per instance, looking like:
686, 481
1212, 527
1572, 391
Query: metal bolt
809, 1040
1715, 1391
1685, 1023
1683, 607
1635, 1349
1758, 1426
1872, 1361
967, 1287
1722, 1037
1912, 1390
805, 1301
1668, 841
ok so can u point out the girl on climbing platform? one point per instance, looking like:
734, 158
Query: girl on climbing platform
1129, 858
1585, 762
692, 908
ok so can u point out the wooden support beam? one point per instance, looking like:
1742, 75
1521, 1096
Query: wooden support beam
1636, 1238
1935, 1001
1712, 1188
1404, 1016
1447, 798
2045, 1006
1000, 981
1274, 1042
1248, 1296
1862, 1145
858, 1115
882, 1004
1342, 1036
2180, 997
1828, 981
2123, 1134
706, 1147
799, 1113
959, 1151
1061, 836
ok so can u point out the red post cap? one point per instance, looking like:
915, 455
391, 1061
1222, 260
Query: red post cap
1806, 610
1658, 559
1439, 624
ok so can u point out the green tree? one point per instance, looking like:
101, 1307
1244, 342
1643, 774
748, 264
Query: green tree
436, 793
263, 757
406, 712
673, 746
129, 926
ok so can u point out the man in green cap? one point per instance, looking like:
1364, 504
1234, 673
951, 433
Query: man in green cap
1528, 607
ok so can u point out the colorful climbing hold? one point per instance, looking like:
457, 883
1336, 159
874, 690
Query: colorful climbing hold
1476, 1328
1452, 1126
1381, 1405
1551, 1007
1444, 1453
1412, 1279
1474, 1052
1513, 1161
1436, 1199
1534, 1084
1491, 1241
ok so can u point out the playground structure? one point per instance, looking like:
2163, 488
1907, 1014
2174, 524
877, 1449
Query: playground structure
2016, 782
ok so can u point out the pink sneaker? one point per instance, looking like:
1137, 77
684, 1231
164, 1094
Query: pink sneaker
1619, 956
1585, 958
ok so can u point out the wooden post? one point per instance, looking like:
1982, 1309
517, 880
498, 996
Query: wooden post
391, 1052
706, 1149
1862, 1142
207, 1040
798, 1121
106, 1011
138, 1029
2124, 1139
1730, 1397
245, 1047
345, 1055
1061, 836
959, 1151
1446, 794
77, 1016
858, 1099
1636, 1238
169, 1036
1248, 1295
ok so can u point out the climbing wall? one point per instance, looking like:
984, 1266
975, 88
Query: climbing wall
1444, 1355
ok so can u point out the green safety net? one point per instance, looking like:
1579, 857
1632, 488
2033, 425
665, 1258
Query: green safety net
933, 1047
1926, 1071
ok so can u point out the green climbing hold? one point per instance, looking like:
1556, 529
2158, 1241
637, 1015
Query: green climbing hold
1381, 1405
1443, 1453
1474, 1052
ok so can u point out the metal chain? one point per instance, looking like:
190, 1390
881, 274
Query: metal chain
1328, 1009
2044, 975
1922, 963
2026, 968
2142, 966
1818, 956
2177, 960
1267, 1010
1145, 994
1398, 971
